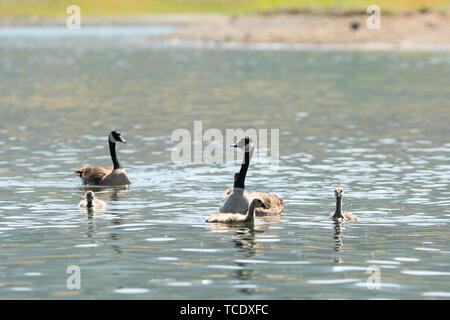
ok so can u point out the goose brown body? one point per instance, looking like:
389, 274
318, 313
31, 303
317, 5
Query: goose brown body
274, 203
101, 176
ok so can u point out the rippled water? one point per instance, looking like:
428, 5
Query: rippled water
375, 123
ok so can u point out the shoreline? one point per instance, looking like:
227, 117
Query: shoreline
397, 30
278, 46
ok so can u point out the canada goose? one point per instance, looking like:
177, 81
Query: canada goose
238, 198
271, 200
338, 214
92, 202
238, 218
101, 176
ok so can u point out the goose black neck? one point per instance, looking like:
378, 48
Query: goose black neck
89, 204
338, 212
112, 151
240, 181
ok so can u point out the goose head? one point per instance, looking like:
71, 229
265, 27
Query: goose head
258, 203
116, 136
338, 192
245, 144
90, 195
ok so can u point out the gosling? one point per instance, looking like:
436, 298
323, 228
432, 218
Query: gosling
339, 214
238, 218
91, 202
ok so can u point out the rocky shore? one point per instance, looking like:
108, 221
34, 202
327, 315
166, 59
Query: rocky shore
431, 28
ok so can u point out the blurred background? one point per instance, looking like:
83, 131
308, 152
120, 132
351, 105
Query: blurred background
28, 8
399, 22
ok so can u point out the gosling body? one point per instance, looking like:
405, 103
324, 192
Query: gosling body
91, 201
339, 214
238, 218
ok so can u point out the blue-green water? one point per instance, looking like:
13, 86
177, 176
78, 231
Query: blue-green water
375, 123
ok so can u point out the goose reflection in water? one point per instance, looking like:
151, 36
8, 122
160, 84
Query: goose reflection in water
339, 227
338, 243
113, 236
244, 240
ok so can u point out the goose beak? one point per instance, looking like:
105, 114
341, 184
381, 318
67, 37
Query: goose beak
122, 140
265, 206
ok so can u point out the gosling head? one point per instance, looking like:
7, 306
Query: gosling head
339, 192
245, 144
258, 203
90, 195
116, 136
236, 175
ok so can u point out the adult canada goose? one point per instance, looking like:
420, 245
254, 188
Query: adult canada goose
101, 176
238, 199
230, 190
238, 218
92, 202
339, 214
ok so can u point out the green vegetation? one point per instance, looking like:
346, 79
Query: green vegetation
49, 8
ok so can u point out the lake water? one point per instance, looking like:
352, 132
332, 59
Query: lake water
375, 123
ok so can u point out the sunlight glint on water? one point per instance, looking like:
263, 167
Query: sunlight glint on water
374, 123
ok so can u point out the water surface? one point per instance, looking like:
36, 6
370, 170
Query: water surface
375, 123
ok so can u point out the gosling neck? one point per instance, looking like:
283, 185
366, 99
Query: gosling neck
240, 181
112, 151
251, 214
338, 211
